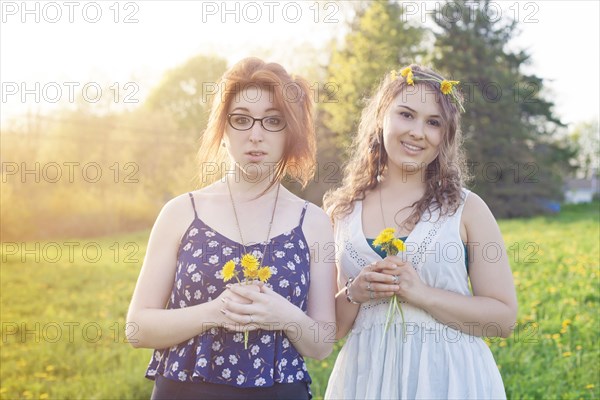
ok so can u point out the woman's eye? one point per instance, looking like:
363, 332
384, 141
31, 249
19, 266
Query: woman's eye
435, 122
274, 121
242, 119
405, 114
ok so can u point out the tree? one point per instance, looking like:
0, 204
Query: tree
184, 92
380, 40
586, 141
516, 162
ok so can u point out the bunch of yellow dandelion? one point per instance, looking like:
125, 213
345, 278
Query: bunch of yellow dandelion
252, 270
391, 245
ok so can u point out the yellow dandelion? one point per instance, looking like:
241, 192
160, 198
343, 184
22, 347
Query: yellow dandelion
567, 354
405, 71
446, 86
251, 274
43, 396
399, 245
249, 263
228, 270
264, 274
385, 236
578, 347
556, 336
393, 75
408, 74
590, 386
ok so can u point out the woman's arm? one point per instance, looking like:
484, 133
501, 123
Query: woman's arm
376, 277
153, 325
492, 310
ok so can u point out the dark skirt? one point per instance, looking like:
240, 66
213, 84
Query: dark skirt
168, 389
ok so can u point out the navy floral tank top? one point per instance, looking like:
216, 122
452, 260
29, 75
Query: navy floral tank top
218, 355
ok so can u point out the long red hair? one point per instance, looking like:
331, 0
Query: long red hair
291, 95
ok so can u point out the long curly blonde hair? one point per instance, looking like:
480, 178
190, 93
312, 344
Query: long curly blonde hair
444, 177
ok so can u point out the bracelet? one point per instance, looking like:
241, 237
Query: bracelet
347, 291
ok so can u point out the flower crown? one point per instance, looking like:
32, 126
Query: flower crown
446, 87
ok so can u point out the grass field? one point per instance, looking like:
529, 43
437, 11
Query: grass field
63, 306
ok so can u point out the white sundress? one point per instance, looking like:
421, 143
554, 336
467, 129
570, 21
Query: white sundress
432, 360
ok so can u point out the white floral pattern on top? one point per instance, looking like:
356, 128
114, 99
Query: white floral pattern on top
218, 355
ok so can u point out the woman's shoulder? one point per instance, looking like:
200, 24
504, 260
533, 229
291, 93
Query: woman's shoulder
181, 208
314, 216
475, 209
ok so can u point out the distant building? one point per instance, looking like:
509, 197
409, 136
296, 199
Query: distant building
581, 190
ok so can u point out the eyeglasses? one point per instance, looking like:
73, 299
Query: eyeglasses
243, 122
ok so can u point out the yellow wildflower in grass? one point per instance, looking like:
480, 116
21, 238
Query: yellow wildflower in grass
391, 245
590, 386
446, 86
264, 274
229, 271
567, 354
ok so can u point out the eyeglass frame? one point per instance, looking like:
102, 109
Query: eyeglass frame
253, 122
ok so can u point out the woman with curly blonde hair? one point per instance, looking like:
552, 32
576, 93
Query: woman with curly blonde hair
406, 175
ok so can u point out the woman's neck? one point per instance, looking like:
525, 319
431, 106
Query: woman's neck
245, 188
405, 181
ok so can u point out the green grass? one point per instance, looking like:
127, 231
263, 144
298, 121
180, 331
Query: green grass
52, 313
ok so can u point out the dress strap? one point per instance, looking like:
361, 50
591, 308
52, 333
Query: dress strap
193, 205
303, 213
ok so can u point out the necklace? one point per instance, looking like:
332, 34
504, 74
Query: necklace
237, 222
381, 207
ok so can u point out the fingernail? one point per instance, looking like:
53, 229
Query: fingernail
228, 285
222, 311
224, 299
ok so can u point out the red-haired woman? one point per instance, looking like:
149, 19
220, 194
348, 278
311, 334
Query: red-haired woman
261, 130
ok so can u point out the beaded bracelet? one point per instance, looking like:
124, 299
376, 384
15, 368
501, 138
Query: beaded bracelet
347, 291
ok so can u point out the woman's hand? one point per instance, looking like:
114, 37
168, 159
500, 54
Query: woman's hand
410, 287
375, 281
261, 308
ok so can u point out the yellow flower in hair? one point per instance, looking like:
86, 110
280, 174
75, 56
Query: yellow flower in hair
408, 74
228, 270
264, 274
405, 71
446, 86
393, 75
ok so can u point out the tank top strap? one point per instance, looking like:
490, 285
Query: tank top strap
303, 213
193, 205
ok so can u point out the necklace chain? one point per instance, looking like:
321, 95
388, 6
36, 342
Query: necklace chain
381, 207
237, 221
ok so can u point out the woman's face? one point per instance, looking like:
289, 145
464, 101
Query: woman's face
256, 150
412, 129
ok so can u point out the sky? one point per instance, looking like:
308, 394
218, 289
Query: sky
55, 52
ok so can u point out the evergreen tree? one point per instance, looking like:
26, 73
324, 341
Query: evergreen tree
509, 128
